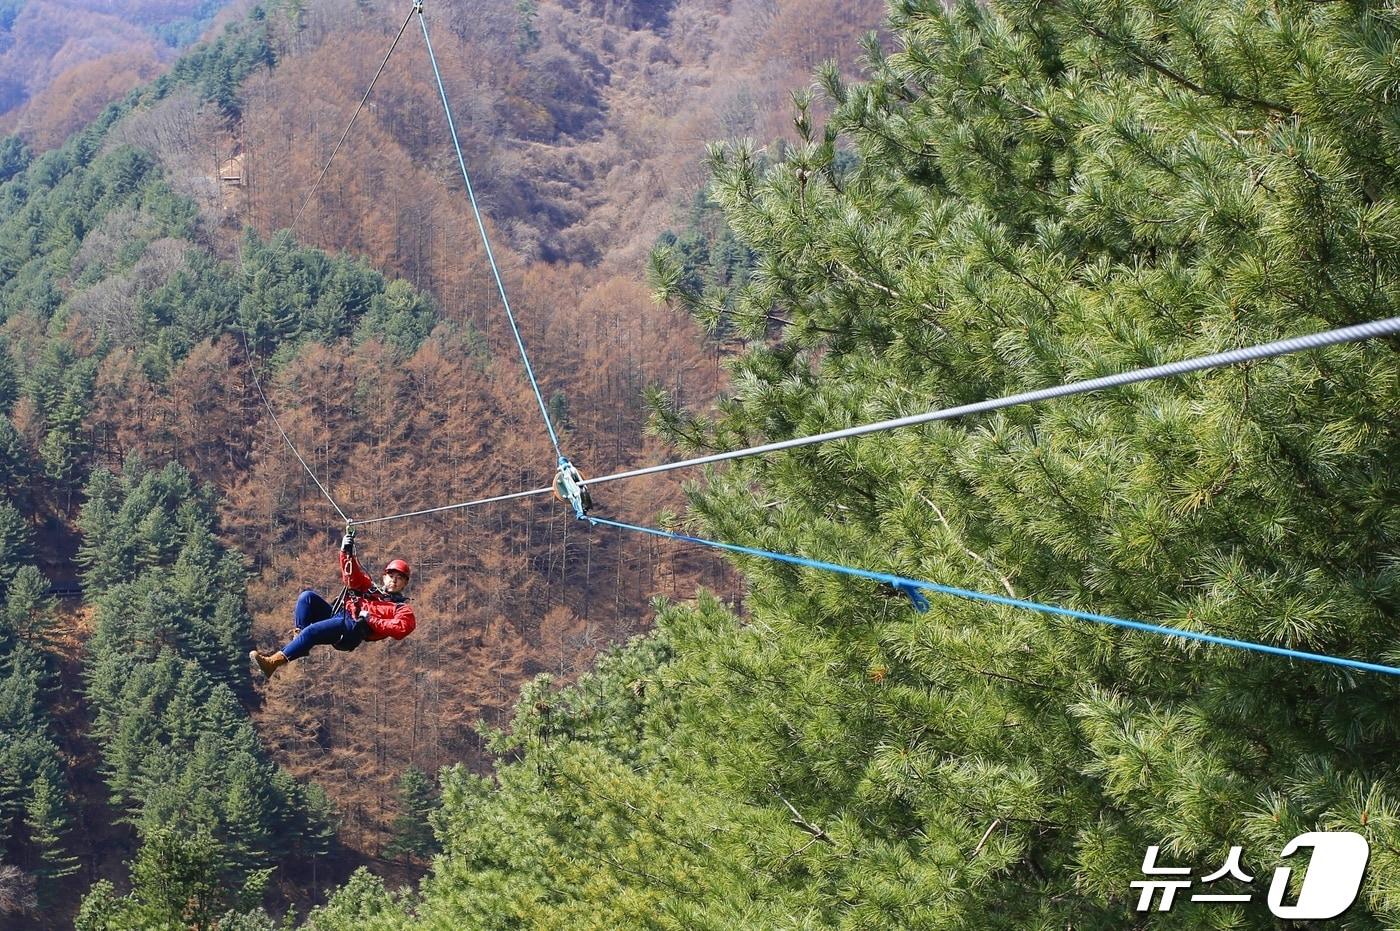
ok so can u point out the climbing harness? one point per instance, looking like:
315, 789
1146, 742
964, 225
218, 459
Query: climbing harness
568, 484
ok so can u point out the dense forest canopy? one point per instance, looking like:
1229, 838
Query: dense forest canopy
108, 282
145, 285
1010, 196
62, 61
1039, 193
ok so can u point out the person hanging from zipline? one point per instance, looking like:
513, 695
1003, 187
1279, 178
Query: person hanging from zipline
363, 612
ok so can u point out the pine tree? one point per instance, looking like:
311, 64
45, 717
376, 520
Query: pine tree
46, 819
249, 811
16, 542
1016, 196
32, 782
399, 316
28, 611
16, 467
313, 820
361, 904
96, 520
14, 152
177, 882
412, 834
179, 753
527, 35
1086, 217
9, 378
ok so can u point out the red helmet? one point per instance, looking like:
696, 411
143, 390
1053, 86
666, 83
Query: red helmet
398, 565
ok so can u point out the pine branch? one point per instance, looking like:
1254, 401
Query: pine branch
797, 819
990, 828
798, 852
919, 153
1148, 62
640, 874
892, 293
771, 317
1005, 582
1005, 678
972, 812
648, 821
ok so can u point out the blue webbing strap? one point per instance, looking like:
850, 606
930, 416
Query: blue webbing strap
910, 587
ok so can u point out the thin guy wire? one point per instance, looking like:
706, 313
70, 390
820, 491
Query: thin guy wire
1388, 327
481, 225
312, 193
902, 582
248, 351
453, 507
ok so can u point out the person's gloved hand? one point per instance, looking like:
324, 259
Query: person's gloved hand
347, 543
363, 616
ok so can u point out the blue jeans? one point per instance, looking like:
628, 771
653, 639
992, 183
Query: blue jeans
322, 626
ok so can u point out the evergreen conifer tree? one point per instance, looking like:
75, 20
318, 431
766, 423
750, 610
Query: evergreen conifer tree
180, 755
9, 380
28, 608
177, 881
1136, 188
1030, 194
361, 903
46, 820
33, 808
15, 463
412, 834
16, 542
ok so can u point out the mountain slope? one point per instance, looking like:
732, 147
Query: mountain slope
1038, 194
127, 286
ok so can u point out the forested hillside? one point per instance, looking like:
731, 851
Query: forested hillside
62, 61
583, 133
992, 199
164, 674
1038, 193
145, 278
107, 276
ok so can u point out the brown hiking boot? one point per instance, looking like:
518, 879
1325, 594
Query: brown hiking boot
264, 663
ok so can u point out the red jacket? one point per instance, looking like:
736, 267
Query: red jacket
389, 615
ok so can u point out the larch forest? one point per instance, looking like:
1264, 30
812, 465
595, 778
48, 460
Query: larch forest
720, 224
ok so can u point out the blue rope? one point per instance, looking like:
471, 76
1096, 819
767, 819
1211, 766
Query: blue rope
490, 257
910, 587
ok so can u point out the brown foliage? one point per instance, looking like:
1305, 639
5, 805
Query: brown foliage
74, 96
791, 36
128, 413
51, 38
511, 590
502, 593
212, 409
578, 148
508, 591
